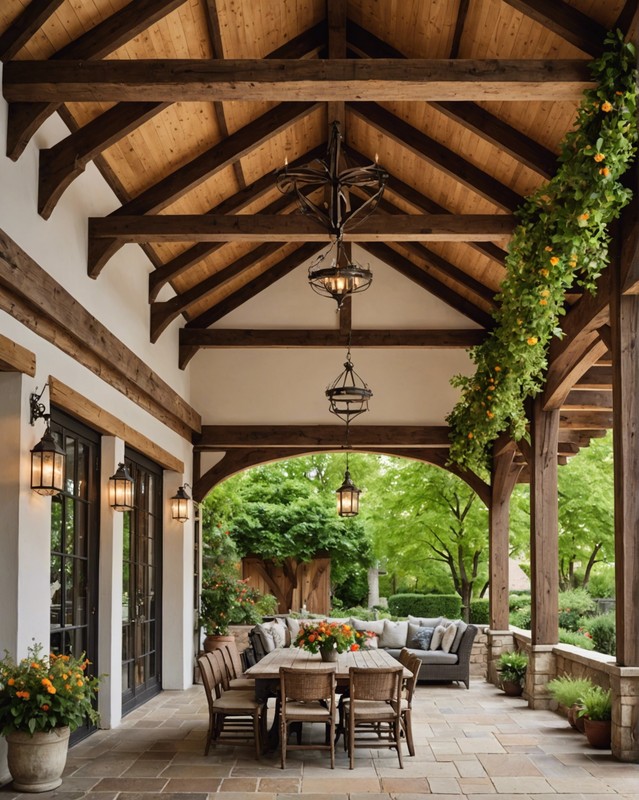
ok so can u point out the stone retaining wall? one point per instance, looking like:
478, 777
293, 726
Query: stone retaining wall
479, 653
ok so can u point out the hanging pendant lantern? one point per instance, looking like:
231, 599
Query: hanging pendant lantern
348, 395
340, 278
348, 496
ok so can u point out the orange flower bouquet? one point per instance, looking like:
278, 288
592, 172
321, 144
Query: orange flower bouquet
41, 693
331, 636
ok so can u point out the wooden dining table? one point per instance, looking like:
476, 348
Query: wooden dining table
267, 673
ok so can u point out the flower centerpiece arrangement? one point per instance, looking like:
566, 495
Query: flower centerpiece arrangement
331, 638
43, 699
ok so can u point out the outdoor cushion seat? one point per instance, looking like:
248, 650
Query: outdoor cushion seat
242, 683
434, 656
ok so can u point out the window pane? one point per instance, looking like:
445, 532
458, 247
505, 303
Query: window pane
56, 524
69, 525
56, 593
70, 465
84, 458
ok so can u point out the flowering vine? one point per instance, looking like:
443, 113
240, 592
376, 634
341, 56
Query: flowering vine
561, 239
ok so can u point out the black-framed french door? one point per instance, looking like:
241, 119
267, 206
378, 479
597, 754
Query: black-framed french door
142, 585
75, 538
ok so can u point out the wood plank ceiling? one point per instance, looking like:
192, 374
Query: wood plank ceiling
189, 106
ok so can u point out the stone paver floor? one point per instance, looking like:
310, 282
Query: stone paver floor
476, 744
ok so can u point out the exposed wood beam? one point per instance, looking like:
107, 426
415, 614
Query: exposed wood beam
213, 338
430, 283
246, 292
202, 167
580, 438
499, 133
588, 400
25, 26
225, 437
15, 358
629, 256
232, 205
484, 124
336, 17
197, 80
561, 381
460, 21
306, 45
162, 314
62, 163
408, 194
346, 316
35, 299
26, 117
583, 420
296, 228
101, 420
437, 155
596, 378
566, 21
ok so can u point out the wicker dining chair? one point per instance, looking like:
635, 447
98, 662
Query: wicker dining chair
235, 716
374, 707
307, 695
412, 663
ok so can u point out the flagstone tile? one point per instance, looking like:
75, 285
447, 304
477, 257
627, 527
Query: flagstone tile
522, 785
132, 785
330, 785
507, 765
279, 785
238, 785
397, 784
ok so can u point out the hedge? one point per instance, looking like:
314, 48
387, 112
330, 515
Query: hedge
479, 612
425, 605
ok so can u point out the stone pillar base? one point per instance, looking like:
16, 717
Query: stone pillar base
498, 642
541, 669
624, 683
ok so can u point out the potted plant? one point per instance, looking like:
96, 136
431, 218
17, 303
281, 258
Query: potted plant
567, 691
217, 602
43, 699
512, 671
596, 711
330, 638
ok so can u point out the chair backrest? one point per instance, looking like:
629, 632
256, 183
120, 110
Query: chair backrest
229, 666
376, 684
208, 678
307, 684
219, 670
414, 664
236, 659
404, 657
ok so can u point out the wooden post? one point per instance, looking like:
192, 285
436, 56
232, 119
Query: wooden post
503, 478
544, 526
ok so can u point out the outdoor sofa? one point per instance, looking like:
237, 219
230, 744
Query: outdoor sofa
442, 645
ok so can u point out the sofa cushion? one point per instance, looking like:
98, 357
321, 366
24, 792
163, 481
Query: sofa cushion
266, 637
293, 625
435, 656
461, 630
373, 625
394, 634
413, 629
448, 637
438, 635
422, 639
426, 622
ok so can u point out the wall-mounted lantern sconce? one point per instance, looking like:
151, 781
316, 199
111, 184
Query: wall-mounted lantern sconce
180, 504
121, 489
47, 457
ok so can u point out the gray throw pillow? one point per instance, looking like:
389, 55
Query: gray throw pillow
394, 635
423, 638
461, 630
410, 636
449, 637
266, 637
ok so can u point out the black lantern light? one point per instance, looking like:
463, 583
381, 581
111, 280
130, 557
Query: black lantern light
47, 457
338, 277
180, 505
348, 496
121, 492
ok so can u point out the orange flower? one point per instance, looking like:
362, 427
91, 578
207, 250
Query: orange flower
554, 261
35, 665
11, 681
599, 157
584, 216
67, 687
490, 414
544, 292
497, 368
45, 707
51, 689
604, 171
606, 106
24, 695
543, 272
532, 341
354, 647
543, 302
572, 264
548, 248
471, 436
46, 682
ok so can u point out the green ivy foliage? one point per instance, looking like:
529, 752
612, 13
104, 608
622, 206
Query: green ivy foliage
561, 240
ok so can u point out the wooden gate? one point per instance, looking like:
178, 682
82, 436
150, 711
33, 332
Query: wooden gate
294, 583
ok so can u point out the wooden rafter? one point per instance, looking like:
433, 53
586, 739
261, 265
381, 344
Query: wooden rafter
296, 228
280, 80
213, 338
15, 358
25, 117
25, 26
202, 167
439, 156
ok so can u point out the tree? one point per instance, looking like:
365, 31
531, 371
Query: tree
427, 519
285, 514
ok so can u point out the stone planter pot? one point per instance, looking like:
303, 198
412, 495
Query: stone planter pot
212, 643
36, 762
598, 732
328, 654
512, 688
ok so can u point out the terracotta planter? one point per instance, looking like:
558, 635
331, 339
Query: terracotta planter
574, 719
212, 643
598, 732
36, 762
512, 688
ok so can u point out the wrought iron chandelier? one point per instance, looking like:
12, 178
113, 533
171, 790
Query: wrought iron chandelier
348, 395
348, 496
332, 174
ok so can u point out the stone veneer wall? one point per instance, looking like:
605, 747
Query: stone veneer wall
479, 653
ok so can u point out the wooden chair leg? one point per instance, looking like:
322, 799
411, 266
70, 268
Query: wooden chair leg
351, 745
331, 736
408, 729
398, 742
283, 743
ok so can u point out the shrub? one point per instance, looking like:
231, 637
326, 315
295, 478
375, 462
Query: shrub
578, 600
602, 582
425, 605
518, 600
521, 619
567, 690
596, 703
479, 612
512, 666
576, 639
602, 631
